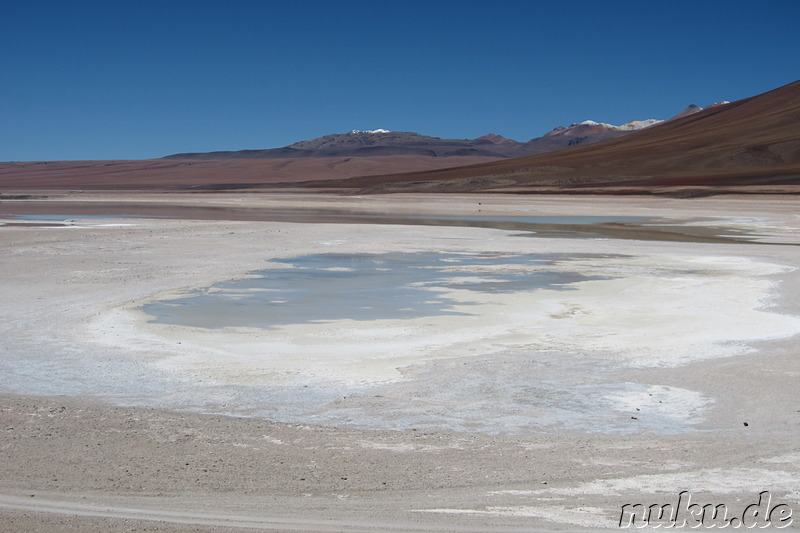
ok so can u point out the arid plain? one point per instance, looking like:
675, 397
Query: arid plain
544, 371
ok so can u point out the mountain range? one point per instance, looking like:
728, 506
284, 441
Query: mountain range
381, 142
336, 156
750, 145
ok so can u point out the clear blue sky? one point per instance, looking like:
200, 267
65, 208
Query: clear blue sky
141, 79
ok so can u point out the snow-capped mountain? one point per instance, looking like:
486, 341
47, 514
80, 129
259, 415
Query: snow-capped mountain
633, 125
384, 142
746, 146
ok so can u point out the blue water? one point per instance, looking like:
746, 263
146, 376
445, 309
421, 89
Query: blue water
326, 287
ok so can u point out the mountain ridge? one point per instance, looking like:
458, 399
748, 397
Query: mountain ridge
751, 145
754, 141
363, 143
383, 142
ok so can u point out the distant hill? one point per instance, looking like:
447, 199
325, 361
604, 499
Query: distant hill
747, 143
358, 143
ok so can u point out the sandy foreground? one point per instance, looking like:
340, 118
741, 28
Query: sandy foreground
672, 367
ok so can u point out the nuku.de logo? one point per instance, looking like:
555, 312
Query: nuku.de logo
684, 513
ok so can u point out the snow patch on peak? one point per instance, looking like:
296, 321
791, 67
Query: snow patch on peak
370, 131
634, 125
591, 127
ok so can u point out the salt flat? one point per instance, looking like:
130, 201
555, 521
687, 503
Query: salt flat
647, 368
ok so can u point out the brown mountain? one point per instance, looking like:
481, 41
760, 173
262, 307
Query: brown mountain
749, 143
369, 144
403, 143
337, 156
691, 110
582, 133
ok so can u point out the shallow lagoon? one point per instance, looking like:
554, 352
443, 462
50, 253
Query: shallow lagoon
326, 287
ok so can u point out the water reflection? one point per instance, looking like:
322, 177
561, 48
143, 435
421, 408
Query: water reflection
325, 287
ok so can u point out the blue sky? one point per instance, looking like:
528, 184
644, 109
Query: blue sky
131, 80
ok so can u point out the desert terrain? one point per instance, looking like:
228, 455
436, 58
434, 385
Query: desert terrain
179, 174
555, 358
